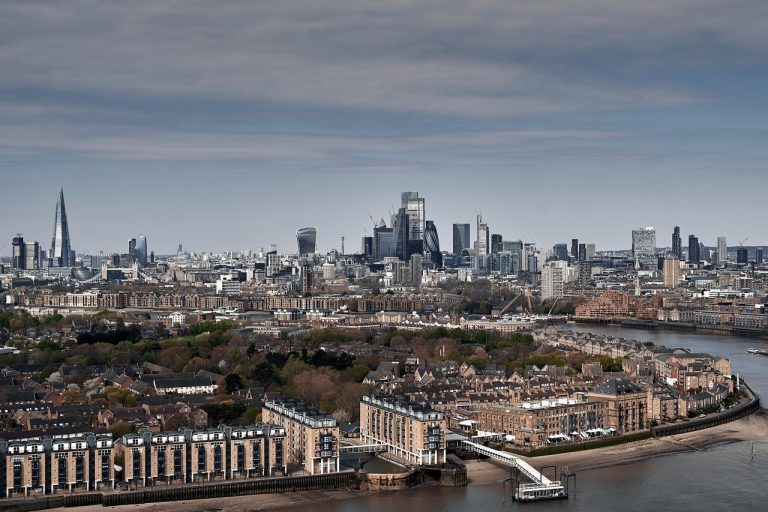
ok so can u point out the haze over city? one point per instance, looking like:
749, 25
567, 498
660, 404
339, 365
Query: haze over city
229, 126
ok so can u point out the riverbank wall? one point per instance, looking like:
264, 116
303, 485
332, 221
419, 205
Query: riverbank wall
636, 323
335, 481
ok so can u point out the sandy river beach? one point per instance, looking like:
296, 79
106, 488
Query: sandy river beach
480, 472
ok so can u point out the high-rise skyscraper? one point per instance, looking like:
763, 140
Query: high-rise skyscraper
560, 251
132, 248
575, 248
591, 252
141, 250
61, 251
383, 241
402, 232
368, 248
759, 256
460, 238
644, 247
677, 244
742, 256
414, 208
496, 243
722, 250
552, 279
306, 238
582, 252
432, 244
694, 254
482, 245
26, 255
672, 272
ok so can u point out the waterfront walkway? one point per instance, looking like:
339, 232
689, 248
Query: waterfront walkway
540, 487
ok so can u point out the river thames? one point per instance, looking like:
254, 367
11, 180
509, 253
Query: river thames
727, 477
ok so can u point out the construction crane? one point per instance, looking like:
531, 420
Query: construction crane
553, 306
525, 291
741, 244
528, 298
510, 303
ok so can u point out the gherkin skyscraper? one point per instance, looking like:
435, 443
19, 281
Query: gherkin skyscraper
61, 252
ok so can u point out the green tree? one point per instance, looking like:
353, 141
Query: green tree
233, 382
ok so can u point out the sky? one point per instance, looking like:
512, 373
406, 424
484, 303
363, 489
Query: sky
229, 125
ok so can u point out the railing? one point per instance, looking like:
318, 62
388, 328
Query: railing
526, 469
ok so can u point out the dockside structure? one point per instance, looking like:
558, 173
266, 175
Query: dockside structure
413, 432
312, 437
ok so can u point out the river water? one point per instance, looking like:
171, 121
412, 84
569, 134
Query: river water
731, 477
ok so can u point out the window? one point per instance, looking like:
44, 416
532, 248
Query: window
62, 471
17, 474
278, 452
241, 457
136, 458
256, 455
177, 462
35, 463
200, 458
161, 462
217, 464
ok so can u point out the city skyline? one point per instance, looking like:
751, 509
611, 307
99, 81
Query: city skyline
159, 245
589, 122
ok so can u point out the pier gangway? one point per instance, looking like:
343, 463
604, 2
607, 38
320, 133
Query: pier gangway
539, 488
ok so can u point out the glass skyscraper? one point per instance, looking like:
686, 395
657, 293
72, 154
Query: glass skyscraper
61, 251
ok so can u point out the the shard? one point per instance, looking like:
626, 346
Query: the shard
61, 252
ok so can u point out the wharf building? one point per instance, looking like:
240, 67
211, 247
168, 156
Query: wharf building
537, 423
413, 432
47, 464
189, 456
312, 437
626, 405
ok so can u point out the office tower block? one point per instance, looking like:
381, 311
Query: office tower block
496, 243
722, 250
582, 252
644, 247
132, 248
591, 252
26, 255
368, 248
677, 244
460, 238
560, 251
61, 251
672, 272
401, 233
742, 256
414, 208
383, 242
141, 250
482, 245
575, 248
306, 238
694, 255
759, 256
432, 244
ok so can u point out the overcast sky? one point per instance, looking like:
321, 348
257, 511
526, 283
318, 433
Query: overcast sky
228, 125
